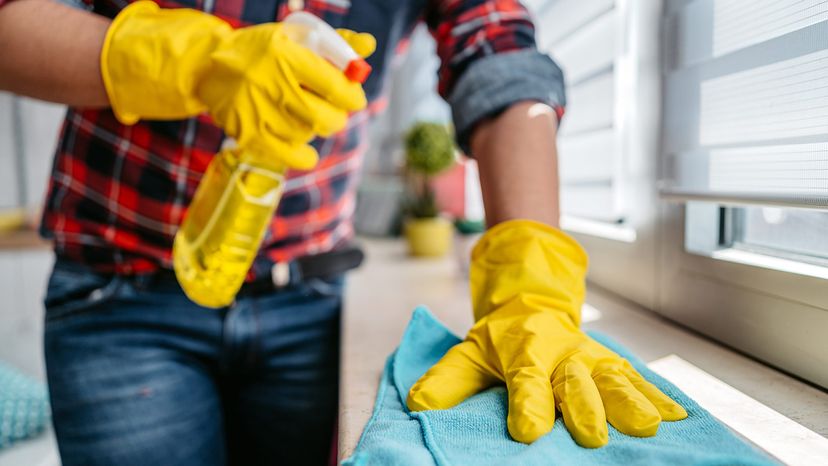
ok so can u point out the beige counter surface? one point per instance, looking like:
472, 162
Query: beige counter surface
380, 298
382, 294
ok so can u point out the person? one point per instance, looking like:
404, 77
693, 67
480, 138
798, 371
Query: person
138, 374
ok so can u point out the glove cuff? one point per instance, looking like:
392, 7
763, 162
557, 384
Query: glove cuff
152, 59
521, 259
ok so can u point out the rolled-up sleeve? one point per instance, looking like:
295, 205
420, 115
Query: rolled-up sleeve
489, 61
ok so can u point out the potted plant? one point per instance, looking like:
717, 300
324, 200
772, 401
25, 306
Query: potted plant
429, 149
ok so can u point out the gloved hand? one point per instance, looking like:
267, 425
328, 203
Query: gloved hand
262, 88
364, 44
527, 284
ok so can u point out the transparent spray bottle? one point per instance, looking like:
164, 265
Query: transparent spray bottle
238, 194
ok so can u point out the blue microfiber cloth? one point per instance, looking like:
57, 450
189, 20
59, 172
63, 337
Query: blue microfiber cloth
24, 406
474, 432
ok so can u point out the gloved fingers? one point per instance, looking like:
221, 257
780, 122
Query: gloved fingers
152, 58
580, 404
456, 376
254, 114
322, 117
628, 410
531, 403
296, 155
301, 157
364, 44
316, 74
668, 409
275, 127
290, 128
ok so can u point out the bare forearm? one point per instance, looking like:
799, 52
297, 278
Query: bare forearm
51, 52
518, 164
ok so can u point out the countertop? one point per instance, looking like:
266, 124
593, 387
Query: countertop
22, 239
382, 294
379, 301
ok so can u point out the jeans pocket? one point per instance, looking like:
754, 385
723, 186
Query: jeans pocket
74, 289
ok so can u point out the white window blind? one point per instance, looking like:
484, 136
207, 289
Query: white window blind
741, 23
746, 102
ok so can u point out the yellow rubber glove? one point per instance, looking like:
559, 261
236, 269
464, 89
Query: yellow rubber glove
527, 284
262, 88
364, 44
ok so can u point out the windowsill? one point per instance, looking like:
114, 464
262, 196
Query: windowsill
382, 293
598, 228
770, 262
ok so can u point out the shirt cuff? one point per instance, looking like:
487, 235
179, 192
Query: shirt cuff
493, 83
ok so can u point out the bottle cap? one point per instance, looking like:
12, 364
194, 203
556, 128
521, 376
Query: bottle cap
357, 70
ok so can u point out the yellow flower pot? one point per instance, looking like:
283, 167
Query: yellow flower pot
428, 237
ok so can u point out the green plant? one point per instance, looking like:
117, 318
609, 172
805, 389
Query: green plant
429, 149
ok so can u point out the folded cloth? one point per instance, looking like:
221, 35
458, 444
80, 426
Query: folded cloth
474, 432
24, 406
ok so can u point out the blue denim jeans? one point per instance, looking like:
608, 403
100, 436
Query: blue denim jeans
139, 375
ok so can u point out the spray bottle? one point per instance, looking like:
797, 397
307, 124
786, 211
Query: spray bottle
235, 201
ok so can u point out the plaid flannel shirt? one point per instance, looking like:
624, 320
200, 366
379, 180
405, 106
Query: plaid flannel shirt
118, 193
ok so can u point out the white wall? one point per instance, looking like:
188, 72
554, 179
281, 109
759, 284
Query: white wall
28, 135
8, 156
41, 123
412, 93
23, 276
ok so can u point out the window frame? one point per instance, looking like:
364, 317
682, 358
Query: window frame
777, 316
737, 219
690, 275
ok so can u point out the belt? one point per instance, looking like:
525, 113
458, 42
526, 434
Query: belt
316, 266
283, 274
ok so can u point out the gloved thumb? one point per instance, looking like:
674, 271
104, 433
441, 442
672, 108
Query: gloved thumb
457, 376
364, 44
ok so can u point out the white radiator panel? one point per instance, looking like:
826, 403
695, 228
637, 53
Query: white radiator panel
593, 202
590, 49
590, 106
587, 39
561, 18
587, 157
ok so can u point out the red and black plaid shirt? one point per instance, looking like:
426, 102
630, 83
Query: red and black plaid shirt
118, 193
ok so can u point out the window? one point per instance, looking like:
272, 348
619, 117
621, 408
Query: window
795, 234
744, 243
